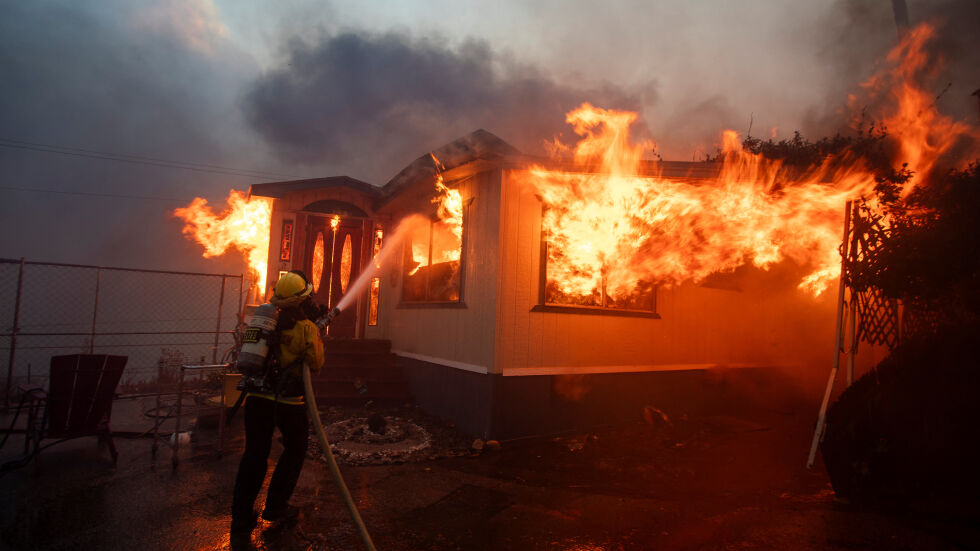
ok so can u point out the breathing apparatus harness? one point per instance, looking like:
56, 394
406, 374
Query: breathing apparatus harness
259, 359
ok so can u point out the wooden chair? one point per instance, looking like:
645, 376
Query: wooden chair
78, 402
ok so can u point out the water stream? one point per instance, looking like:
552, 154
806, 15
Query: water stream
386, 255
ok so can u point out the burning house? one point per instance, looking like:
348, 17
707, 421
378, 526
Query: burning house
502, 319
525, 295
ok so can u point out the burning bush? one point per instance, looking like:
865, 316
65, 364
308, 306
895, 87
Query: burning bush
930, 258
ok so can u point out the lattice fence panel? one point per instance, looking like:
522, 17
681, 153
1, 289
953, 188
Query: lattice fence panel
877, 318
877, 315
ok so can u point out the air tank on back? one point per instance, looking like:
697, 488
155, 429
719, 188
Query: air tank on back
255, 344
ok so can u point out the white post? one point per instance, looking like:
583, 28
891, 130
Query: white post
851, 336
821, 418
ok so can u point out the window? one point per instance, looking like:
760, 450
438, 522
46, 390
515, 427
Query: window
318, 260
374, 300
575, 278
432, 262
375, 294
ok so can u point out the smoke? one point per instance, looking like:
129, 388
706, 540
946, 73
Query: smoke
375, 101
860, 34
150, 80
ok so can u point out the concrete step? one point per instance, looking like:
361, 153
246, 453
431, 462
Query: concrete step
366, 361
391, 373
357, 346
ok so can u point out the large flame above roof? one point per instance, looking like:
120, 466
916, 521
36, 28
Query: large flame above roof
612, 228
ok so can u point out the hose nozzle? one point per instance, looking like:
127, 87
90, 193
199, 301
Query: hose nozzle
325, 320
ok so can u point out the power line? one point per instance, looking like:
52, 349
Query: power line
136, 159
92, 194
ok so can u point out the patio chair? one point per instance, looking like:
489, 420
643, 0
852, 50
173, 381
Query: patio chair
78, 402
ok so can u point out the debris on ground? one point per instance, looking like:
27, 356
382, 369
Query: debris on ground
655, 418
370, 435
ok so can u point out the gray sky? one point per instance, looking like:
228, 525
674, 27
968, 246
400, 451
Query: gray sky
302, 89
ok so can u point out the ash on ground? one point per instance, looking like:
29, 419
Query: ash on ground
375, 435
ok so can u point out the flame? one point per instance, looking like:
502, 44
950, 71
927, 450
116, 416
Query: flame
925, 134
244, 224
447, 234
379, 235
614, 225
614, 229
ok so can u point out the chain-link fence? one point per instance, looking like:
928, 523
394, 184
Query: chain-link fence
158, 319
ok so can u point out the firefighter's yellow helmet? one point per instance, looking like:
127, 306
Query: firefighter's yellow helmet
291, 289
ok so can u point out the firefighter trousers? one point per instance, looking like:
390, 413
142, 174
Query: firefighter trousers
262, 417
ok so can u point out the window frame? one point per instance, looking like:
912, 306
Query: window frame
544, 306
406, 248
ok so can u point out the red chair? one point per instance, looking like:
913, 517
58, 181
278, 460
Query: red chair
78, 402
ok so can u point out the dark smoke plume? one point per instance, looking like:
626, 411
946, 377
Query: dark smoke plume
92, 76
359, 99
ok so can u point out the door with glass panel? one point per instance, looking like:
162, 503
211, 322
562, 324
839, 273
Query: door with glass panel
332, 263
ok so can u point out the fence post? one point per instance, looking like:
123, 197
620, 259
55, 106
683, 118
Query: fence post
241, 292
217, 328
95, 309
13, 336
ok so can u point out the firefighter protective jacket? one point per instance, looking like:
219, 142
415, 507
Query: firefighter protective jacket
297, 346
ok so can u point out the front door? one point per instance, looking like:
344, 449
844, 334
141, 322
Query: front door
333, 262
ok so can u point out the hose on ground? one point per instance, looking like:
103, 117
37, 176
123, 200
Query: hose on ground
332, 464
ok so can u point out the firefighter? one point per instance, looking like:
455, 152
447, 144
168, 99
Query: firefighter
267, 408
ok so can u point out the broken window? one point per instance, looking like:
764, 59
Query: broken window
432, 262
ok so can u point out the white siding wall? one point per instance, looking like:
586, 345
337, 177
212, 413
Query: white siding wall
461, 337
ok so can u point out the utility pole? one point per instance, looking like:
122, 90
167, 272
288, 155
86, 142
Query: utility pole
977, 94
901, 11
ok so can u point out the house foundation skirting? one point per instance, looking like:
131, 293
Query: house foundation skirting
493, 406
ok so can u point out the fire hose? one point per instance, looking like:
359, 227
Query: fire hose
328, 455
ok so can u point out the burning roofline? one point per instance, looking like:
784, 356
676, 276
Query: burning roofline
475, 152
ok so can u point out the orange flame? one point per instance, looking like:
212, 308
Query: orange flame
925, 134
613, 225
447, 234
244, 224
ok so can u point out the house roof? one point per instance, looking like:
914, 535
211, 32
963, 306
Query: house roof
479, 144
278, 189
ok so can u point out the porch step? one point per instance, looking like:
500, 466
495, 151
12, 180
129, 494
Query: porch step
357, 346
355, 371
342, 361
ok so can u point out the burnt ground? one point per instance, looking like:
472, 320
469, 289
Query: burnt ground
723, 481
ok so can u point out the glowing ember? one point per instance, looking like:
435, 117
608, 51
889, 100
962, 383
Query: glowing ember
613, 229
244, 224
